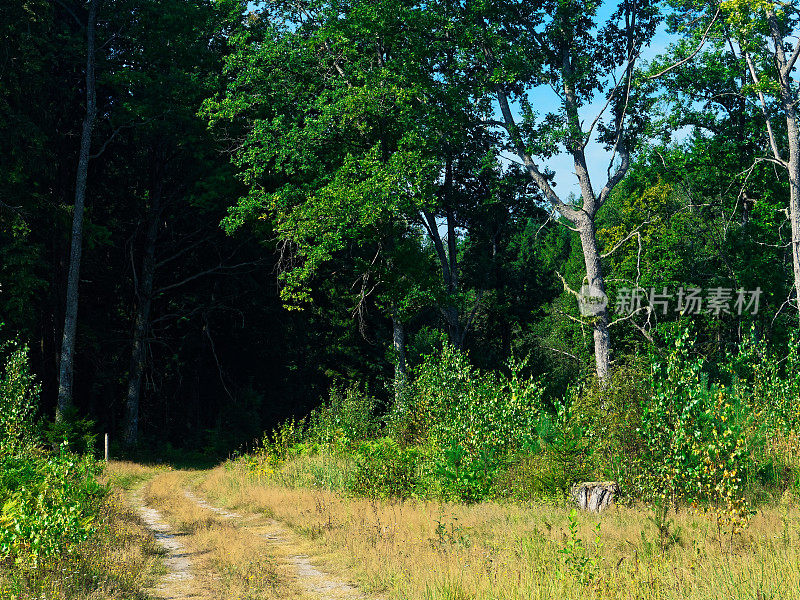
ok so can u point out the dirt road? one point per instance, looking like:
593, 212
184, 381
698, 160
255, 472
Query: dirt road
211, 553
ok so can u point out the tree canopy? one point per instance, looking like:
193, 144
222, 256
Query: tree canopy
285, 196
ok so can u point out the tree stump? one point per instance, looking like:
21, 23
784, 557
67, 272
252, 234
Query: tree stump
595, 496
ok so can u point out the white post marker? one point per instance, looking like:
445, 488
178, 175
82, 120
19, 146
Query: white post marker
106, 447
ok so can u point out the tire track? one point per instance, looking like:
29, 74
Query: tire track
315, 582
177, 583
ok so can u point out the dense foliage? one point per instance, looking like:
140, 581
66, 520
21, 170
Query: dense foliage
369, 200
49, 498
678, 432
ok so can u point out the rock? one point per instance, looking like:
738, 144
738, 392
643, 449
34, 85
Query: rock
595, 496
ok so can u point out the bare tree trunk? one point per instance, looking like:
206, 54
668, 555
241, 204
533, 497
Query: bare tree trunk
454, 331
584, 223
144, 295
399, 346
789, 100
596, 283
456, 328
794, 211
785, 65
793, 168
66, 362
583, 218
449, 266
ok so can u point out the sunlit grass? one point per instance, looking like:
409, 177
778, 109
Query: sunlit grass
436, 551
229, 561
128, 475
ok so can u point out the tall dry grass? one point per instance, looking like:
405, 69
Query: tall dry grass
228, 561
439, 551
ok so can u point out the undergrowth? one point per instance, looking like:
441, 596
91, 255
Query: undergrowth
719, 438
62, 534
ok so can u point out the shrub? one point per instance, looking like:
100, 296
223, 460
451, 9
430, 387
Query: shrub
766, 385
696, 448
465, 475
341, 423
49, 504
473, 421
560, 459
278, 445
688, 430
609, 416
771, 384
48, 499
74, 431
718, 435
18, 396
385, 469
345, 419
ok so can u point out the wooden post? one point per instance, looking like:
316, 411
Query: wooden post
106, 447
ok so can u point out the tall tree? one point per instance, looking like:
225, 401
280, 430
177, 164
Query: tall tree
26, 161
764, 31
383, 146
167, 64
527, 49
66, 364
757, 37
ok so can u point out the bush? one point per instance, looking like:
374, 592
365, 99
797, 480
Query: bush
283, 440
465, 475
719, 436
767, 386
609, 415
120, 560
76, 432
48, 500
345, 419
385, 469
548, 470
341, 423
690, 431
771, 384
19, 394
49, 505
474, 422
696, 449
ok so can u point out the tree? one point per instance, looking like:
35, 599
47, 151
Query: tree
355, 141
749, 39
526, 48
166, 59
762, 31
25, 30
66, 364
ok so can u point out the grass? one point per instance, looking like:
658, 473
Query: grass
229, 561
415, 550
316, 471
440, 551
128, 475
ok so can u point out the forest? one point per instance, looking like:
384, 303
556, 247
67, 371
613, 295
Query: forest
450, 258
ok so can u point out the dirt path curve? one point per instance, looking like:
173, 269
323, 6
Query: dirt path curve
316, 583
177, 583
